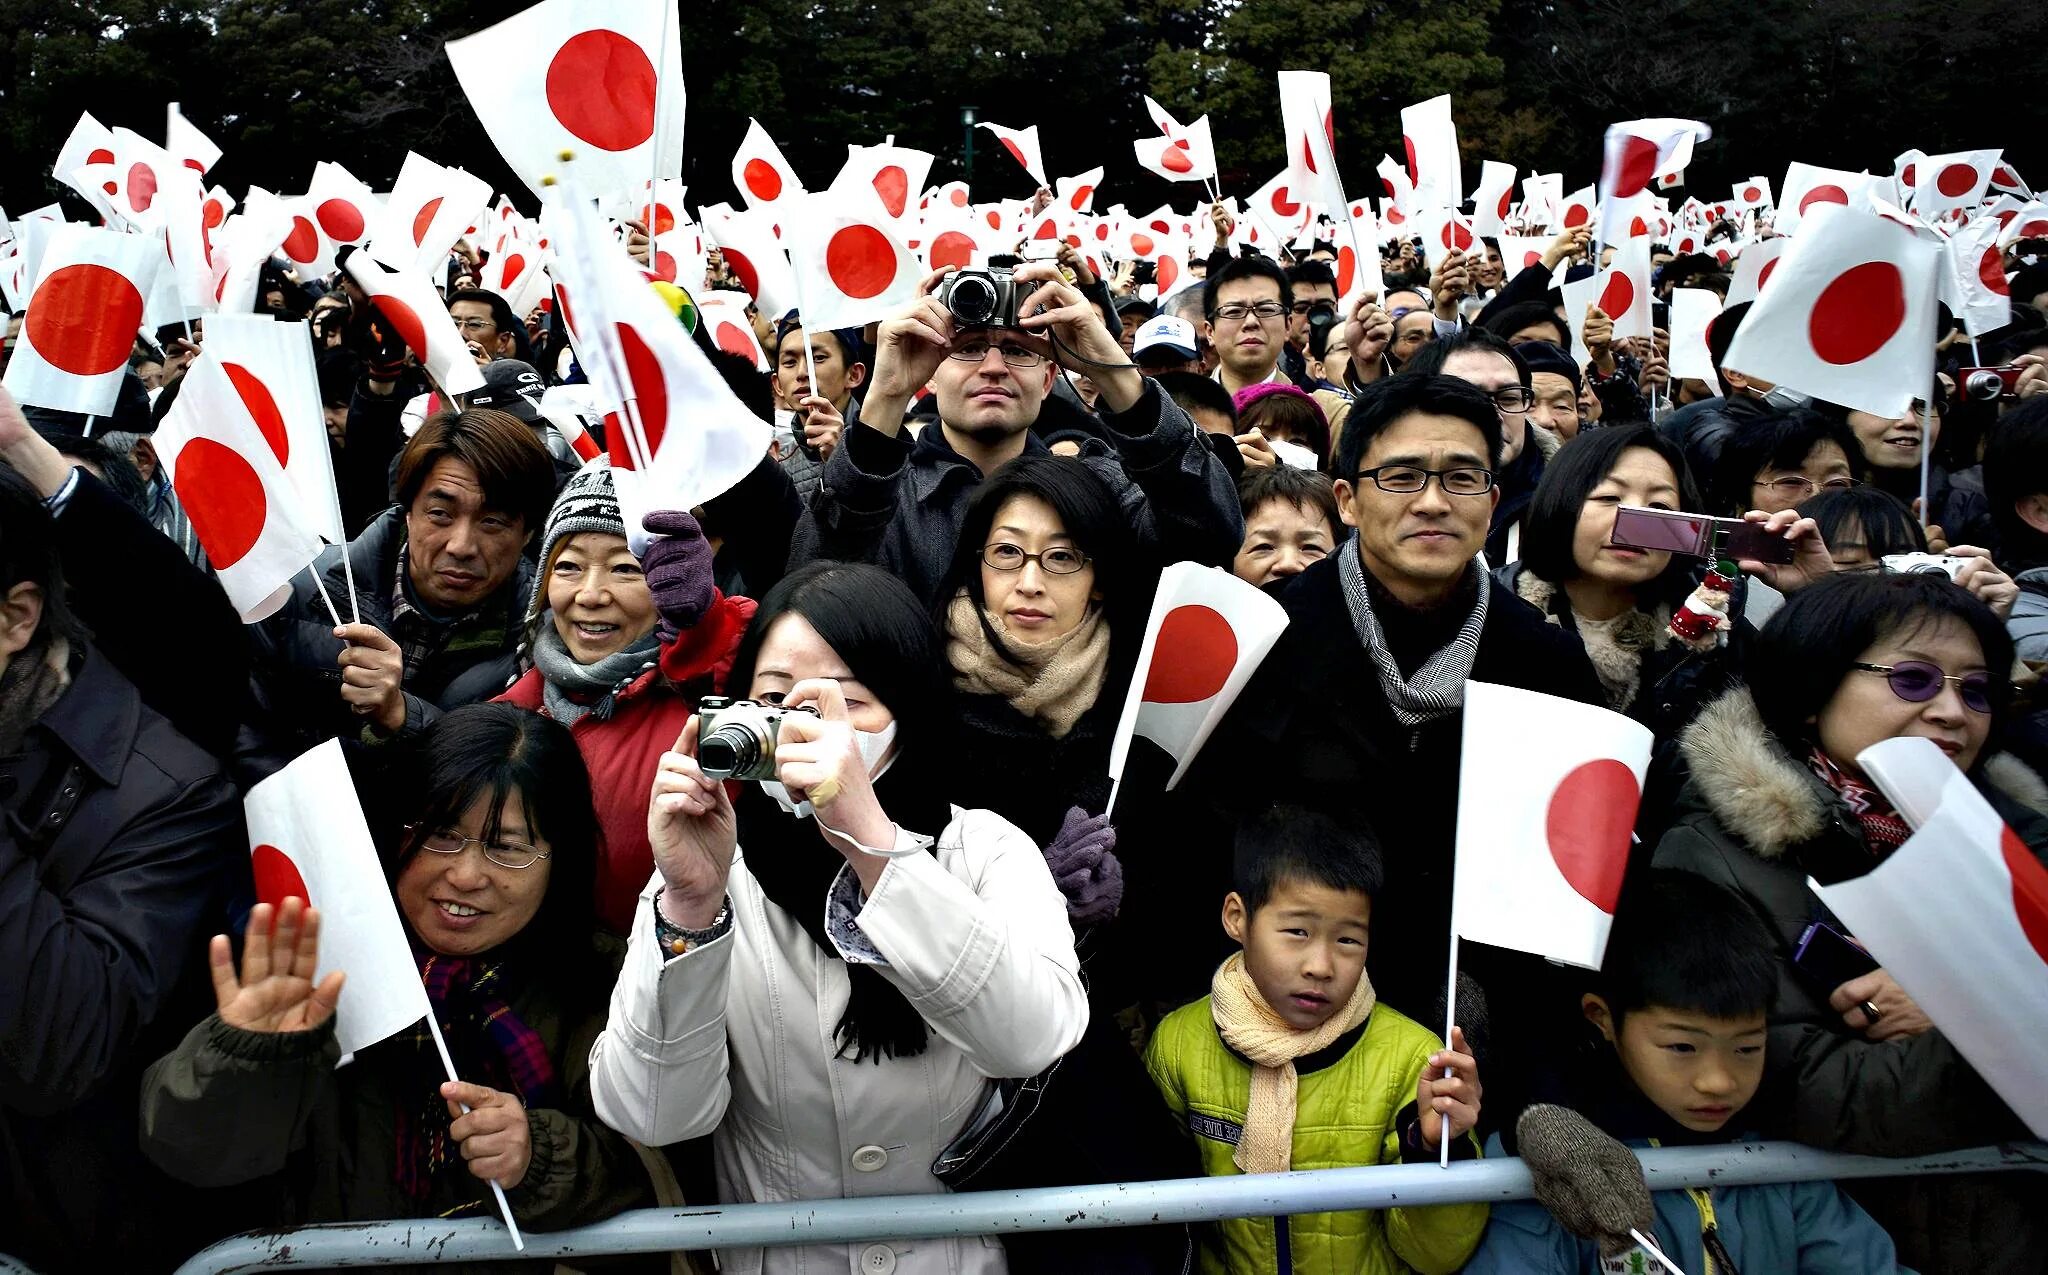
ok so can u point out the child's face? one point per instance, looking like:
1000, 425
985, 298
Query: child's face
1304, 948
1698, 1070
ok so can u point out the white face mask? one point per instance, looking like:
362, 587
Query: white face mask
1785, 399
784, 432
874, 745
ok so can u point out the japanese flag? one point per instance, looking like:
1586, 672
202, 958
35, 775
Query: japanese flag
139, 166
1973, 282
890, 173
429, 208
1494, 198
1358, 258
1188, 155
1541, 197
1949, 182
180, 210
1574, 210
2006, 177
1430, 138
2030, 222
307, 840
270, 365
1543, 834
227, 466
410, 305
90, 144
1624, 289
1959, 916
1076, 194
1444, 232
1022, 143
1849, 316
1638, 150
1754, 193
571, 409
850, 264
1311, 137
84, 310
1399, 186
186, 144
1693, 311
343, 208
1756, 265
957, 238
677, 435
1208, 632
750, 248
1520, 252
1280, 205
763, 176
1807, 186
517, 268
724, 316
583, 76
245, 242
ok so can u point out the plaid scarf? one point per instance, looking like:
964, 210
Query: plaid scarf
1438, 687
419, 635
490, 1046
1883, 830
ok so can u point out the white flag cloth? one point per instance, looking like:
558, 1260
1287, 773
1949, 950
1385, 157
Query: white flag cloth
1519, 252
139, 166
1959, 916
89, 144
1541, 197
1693, 311
678, 436
85, 307
850, 265
1076, 194
1185, 156
227, 466
1638, 150
762, 176
580, 76
1850, 314
307, 839
410, 304
271, 367
748, 243
1206, 636
1574, 210
1022, 143
724, 316
1622, 290
1358, 258
1807, 186
180, 211
1430, 137
345, 209
1949, 182
1543, 834
1493, 199
1758, 262
186, 144
1311, 138
890, 173
1973, 278
429, 209
1282, 205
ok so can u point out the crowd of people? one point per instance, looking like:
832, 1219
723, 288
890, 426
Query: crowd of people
777, 861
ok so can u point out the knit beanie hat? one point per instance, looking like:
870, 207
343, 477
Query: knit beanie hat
588, 502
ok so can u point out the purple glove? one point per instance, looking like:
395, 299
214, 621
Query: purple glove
1083, 864
678, 567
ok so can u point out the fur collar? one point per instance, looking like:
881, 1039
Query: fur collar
1546, 442
1617, 653
1769, 799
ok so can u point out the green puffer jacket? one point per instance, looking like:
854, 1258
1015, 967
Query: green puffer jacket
1354, 1100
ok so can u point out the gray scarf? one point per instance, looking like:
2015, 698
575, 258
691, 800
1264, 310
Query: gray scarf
569, 689
1438, 687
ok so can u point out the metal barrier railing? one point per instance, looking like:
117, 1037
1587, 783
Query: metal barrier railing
338, 1246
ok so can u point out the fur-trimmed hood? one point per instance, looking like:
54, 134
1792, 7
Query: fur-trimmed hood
1770, 800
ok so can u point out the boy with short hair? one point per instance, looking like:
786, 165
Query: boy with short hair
1688, 980
1288, 1064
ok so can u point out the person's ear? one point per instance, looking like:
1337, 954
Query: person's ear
856, 375
21, 613
1235, 918
1345, 494
1596, 1012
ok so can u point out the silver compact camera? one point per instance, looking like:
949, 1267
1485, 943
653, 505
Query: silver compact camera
736, 737
980, 298
1924, 564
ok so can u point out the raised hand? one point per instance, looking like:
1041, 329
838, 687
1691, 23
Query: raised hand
692, 831
275, 992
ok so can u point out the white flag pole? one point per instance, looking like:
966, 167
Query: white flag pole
1650, 1247
313, 572
348, 569
654, 169
497, 1192
1450, 1022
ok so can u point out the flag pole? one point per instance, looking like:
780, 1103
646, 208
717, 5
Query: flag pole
497, 1192
332, 614
1450, 1022
348, 569
654, 177
1650, 1247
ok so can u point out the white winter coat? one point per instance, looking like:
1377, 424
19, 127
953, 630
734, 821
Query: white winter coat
736, 1037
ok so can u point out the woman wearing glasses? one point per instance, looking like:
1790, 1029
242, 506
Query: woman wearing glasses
1775, 796
492, 880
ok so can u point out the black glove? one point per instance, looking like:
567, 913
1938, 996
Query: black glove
1591, 1183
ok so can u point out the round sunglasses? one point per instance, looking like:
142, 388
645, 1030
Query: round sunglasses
1917, 681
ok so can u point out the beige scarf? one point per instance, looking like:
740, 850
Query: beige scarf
1051, 683
1249, 1025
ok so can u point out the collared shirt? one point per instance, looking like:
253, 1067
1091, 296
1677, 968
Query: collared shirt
420, 636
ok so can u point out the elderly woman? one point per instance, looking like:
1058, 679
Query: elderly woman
832, 965
492, 880
1776, 797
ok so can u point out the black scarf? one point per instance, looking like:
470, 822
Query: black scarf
795, 869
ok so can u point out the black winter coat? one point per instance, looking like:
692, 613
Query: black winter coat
120, 841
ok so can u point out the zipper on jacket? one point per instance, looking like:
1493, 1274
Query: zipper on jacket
1716, 1253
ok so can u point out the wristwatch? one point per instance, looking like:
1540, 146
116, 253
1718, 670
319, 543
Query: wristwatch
674, 940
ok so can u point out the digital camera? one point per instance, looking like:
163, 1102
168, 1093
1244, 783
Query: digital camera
1931, 564
1988, 384
980, 298
736, 737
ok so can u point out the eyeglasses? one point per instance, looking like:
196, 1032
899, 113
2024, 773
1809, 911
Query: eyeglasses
1512, 398
473, 325
1406, 480
1237, 311
1060, 560
1796, 486
1013, 354
1307, 307
1917, 681
506, 854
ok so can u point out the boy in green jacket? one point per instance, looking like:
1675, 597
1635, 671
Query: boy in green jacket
1287, 1064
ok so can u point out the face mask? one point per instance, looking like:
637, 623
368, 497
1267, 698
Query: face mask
785, 432
1785, 399
874, 745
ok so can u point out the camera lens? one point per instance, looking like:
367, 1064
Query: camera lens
1983, 386
1929, 569
728, 751
972, 299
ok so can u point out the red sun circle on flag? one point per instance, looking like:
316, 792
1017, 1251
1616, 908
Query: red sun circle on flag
952, 250
1347, 269
1016, 152
342, 220
303, 243
1283, 204
959, 196
141, 186
1752, 195
1456, 236
1907, 176
1857, 313
410, 330
2003, 176
2029, 889
2033, 230
223, 497
1142, 245
763, 182
1506, 201
1764, 276
727, 336
1577, 215
277, 877
1193, 656
600, 86
1166, 274
1618, 295
1823, 195
1956, 180
995, 219
1175, 160
664, 266
893, 185
1047, 229
263, 408
1414, 171
215, 214
1102, 231
1991, 269
650, 389
423, 220
1078, 201
1587, 826
860, 261
658, 217
510, 268
1395, 216
82, 319
100, 156
1638, 227
750, 278
1636, 167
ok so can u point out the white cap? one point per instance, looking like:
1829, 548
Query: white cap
1164, 332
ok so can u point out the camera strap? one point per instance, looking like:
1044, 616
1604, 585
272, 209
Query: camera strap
907, 843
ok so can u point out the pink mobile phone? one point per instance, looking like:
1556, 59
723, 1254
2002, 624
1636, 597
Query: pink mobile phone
1664, 529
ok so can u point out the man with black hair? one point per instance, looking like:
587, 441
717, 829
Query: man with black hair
1247, 305
1312, 286
2016, 481
487, 325
824, 411
1500, 373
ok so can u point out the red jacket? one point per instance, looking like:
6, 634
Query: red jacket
623, 747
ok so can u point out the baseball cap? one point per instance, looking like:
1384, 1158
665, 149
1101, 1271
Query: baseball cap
1168, 335
510, 386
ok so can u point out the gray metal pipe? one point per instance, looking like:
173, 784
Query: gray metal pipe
342, 1246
